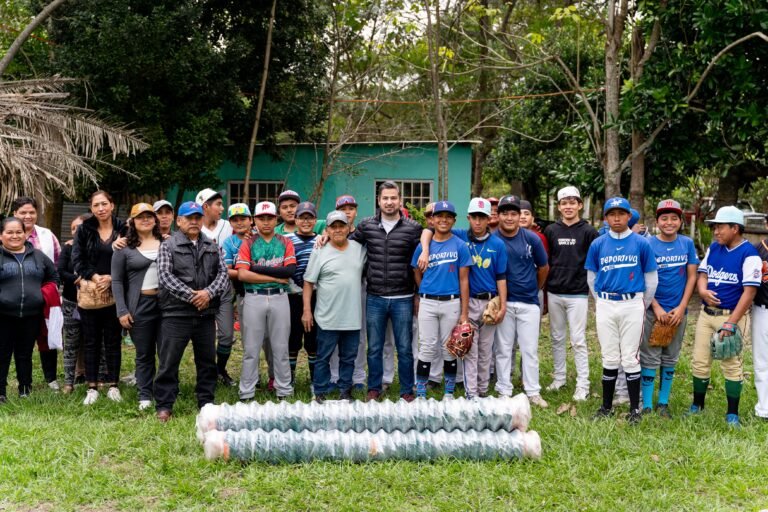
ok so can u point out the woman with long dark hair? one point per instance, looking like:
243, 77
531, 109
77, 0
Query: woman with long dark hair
92, 256
23, 271
134, 283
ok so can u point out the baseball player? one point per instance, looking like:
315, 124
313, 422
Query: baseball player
493, 224
444, 297
287, 203
567, 291
729, 276
621, 273
760, 334
264, 265
526, 273
677, 262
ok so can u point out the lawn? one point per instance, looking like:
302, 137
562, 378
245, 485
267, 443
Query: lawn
57, 454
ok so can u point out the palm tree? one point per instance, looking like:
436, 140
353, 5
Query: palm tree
46, 142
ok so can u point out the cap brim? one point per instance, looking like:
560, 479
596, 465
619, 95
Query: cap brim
662, 211
505, 207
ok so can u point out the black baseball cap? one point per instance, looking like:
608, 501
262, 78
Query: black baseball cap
509, 202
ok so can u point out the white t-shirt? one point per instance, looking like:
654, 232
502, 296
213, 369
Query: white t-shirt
388, 225
221, 232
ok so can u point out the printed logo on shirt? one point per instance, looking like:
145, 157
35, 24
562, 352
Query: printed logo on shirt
671, 261
618, 261
566, 241
765, 271
444, 257
718, 277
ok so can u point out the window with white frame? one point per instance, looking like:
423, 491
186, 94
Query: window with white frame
257, 191
415, 192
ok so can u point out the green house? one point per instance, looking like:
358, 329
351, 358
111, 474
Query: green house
357, 169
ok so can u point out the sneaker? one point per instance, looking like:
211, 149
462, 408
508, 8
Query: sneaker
91, 396
733, 420
271, 385
145, 404
432, 385
67, 389
372, 396
346, 395
620, 400
114, 394
693, 410
581, 394
602, 412
319, 398
634, 417
226, 380
129, 380
3, 399
556, 385
538, 401
163, 415
646, 410
408, 397
483, 394
448, 396
663, 411
80, 379
385, 386
54, 385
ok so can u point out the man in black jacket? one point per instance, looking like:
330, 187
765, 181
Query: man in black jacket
567, 291
192, 276
391, 240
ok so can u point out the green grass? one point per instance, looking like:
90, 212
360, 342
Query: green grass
56, 454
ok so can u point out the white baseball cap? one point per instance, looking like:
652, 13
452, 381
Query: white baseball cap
479, 205
265, 208
206, 195
728, 215
568, 192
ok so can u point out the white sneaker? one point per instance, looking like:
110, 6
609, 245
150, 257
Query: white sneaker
114, 394
620, 400
538, 401
556, 384
448, 396
581, 394
54, 385
144, 404
91, 396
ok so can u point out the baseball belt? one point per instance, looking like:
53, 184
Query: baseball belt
716, 311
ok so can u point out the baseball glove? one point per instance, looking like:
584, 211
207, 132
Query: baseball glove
662, 334
460, 341
491, 310
726, 342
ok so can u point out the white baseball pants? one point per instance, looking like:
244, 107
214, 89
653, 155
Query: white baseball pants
760, 358
620, 331
521, 322
569, 311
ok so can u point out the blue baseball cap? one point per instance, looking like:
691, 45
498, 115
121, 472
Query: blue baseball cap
345, 200
619, 203
728, 215
190, 208
444, 206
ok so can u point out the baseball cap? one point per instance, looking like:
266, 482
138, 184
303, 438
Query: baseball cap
634, 217
444, 206
568, 191
336, 216
265, 208
493, 200
239, 209
345, 200
509, 202
479, 205
728, 215
288, 194
617, 203
526, 205
190, 208
306, 207
140, 208
429, 209
668, 206
159, 204
206, 195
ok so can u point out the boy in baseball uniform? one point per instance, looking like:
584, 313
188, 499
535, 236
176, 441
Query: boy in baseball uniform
621, 273
729, 276
760, 333
677, 261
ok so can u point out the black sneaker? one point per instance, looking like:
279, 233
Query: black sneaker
432, 385
346, 395
646, 410
3, 399
226, 380
663, 411
634, 417
320, 398
602, 412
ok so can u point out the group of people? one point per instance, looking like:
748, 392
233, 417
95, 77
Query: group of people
352, 294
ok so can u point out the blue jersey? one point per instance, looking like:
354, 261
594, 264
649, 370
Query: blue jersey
303, 246
489, 262
730, 270
525, 254
231, 246
620, 263
673, 259
445, 260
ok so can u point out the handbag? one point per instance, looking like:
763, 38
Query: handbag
89, 297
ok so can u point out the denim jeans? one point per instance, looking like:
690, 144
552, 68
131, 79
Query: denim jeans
327, 341
380, 310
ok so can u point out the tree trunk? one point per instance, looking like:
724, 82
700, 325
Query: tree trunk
611, 165
24, 35
637, 181
483, 87
54, 210
433, 42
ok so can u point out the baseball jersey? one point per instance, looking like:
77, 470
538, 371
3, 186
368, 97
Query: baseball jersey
525, 254
730, 270
620, 264
445, 260
673, 259
302, 246
761, 299
278, 252
489, 261
231, 246
218, 234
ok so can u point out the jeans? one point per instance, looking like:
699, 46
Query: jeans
17, 339
380, 310
327, 341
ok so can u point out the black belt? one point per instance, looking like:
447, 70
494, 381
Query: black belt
484, 296
717, 312
267, 291
439, 297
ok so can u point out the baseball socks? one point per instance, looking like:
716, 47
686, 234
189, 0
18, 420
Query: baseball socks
633, 387
665, 387
422, 376
648, 376
699, 392
449, 371
733, 394
609, 387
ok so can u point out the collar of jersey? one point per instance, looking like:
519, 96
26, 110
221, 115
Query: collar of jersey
619, 236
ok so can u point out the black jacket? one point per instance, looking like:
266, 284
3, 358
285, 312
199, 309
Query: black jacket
84, 252
389, 255
568, 246
20, 283
67, 274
